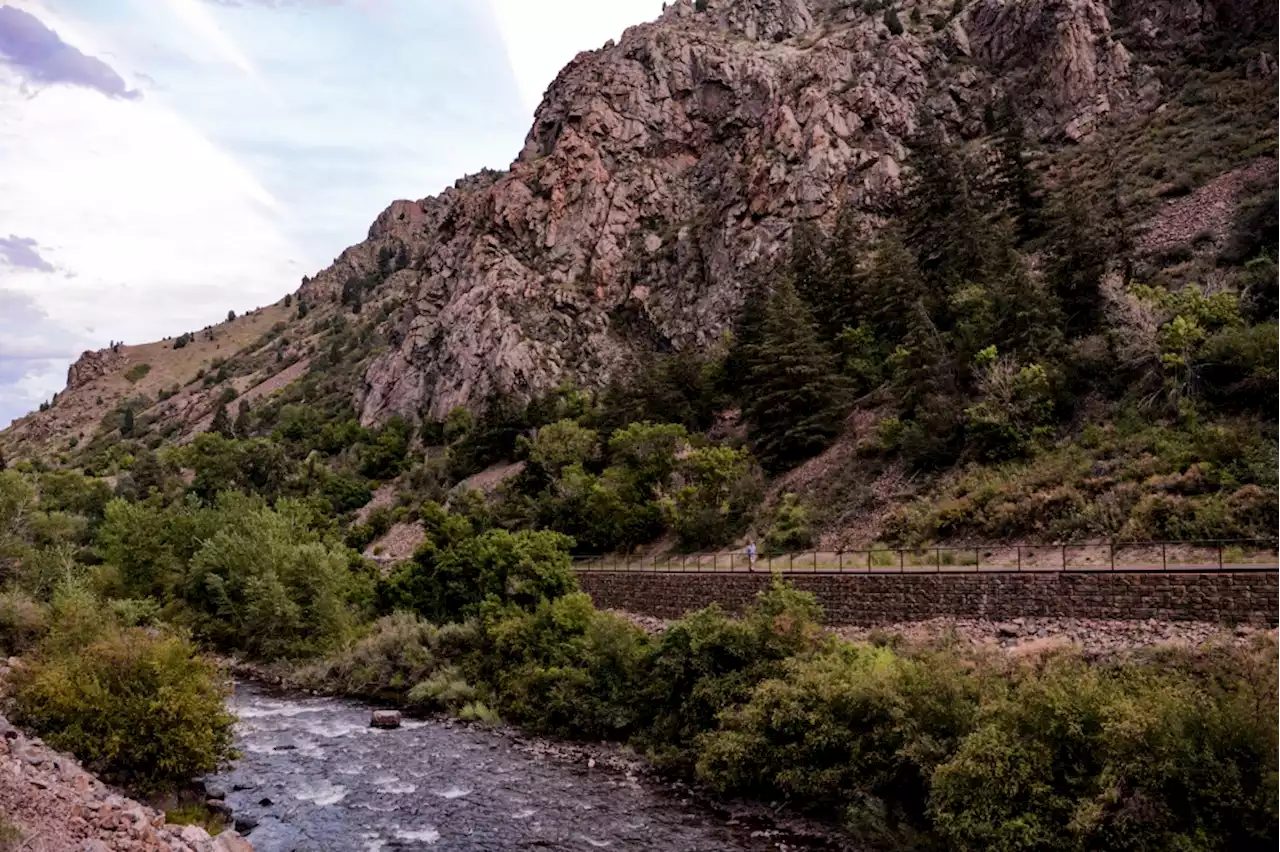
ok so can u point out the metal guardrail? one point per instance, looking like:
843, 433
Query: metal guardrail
1226, 555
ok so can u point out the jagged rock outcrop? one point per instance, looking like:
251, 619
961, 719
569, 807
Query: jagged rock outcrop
664, 171
91, 365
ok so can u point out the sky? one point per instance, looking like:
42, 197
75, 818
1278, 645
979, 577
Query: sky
165, 161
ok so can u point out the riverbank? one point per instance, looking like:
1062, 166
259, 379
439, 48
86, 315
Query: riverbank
54, 805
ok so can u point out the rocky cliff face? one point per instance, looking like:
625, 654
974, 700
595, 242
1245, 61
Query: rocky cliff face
663, 171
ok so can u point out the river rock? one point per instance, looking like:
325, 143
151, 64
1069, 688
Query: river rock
385, 719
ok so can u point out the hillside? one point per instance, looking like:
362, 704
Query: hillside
670, 176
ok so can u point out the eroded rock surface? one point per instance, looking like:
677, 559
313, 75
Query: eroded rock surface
57, 805
663, 171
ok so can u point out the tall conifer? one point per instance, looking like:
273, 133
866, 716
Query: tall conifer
796, 397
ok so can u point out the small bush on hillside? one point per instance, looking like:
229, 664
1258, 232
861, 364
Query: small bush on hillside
142, 708
137, 372
790, 530
23, 621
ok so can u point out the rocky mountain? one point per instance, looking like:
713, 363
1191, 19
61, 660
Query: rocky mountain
664, 172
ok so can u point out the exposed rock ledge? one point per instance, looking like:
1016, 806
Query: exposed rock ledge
59, 807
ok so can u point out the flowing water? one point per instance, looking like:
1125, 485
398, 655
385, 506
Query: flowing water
314, 777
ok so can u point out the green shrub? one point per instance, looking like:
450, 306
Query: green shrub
446, 689
23, 621
396, 652
854, 724
707, 662
565, 668
270, 585
1126, 757
790, 530
449, 582
139, 371
142, 708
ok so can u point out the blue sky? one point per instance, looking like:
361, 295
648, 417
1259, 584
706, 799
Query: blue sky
163, 161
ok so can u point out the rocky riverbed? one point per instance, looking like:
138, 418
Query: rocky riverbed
1095, 637
56, 806
315, 776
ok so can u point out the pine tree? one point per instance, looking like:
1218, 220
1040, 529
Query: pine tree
243, 427
944, 221
1075, 263
222, 422
748, 329
796, 396
1020, 187
892, 287
842, 305
807, 263
126, 423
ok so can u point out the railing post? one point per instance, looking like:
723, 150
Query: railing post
840, 561
791, 562
1164, 556
869, 552
1019, 559
1064, 557
977, 560
902, 562
938, 554
1112, 545
1219, 555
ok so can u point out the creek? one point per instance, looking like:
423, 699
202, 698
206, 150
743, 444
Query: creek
314, 777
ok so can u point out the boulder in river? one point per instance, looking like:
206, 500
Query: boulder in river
385, 719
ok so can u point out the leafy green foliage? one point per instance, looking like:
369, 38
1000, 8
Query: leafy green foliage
455, 571
789, 531
564, 668
139, 707
270, 585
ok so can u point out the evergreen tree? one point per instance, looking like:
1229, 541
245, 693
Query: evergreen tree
222, 422
1075, 263
1017, 182
796, 397
892, 288
841, 305
126, 423
807, 263
747, 332
243, 427
146, 473
945, 224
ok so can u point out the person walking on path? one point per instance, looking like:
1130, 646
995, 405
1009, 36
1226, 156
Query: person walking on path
751, 555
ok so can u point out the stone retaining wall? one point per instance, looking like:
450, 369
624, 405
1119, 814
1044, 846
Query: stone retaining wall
870, 599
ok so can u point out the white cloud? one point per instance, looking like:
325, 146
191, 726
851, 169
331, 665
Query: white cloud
151, 229
541, 37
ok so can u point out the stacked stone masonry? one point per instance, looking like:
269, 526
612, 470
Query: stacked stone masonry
1227, 597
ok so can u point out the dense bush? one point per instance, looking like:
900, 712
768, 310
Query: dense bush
137, 705
23, 621
564, 668
853, 726
1126, 757
707, 662
448, 579
393, 654
270, 585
